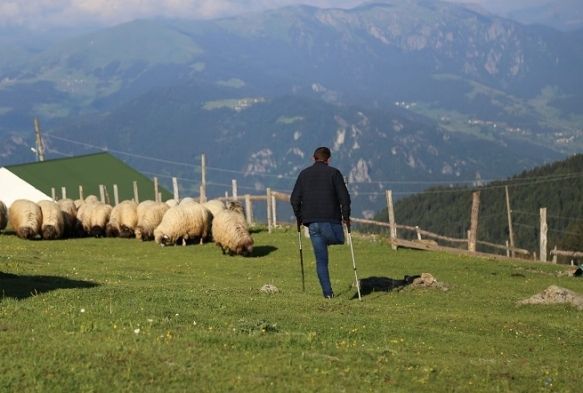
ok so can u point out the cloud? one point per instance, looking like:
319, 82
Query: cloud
73, 13
76, 13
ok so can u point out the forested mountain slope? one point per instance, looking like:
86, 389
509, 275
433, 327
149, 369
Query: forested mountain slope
557, 186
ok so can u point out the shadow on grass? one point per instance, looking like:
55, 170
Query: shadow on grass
382, 284
22, 287
262, 251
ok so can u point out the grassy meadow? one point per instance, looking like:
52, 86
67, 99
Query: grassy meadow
103, 315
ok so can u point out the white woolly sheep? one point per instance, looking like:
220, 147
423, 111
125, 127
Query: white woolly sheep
3, 216
187, 200
235, 206
25, 218
94, 217
78, 203
70, 217
53, 222
172, 202
215, 206
231, 234
189, 222
150, 215
92, 199
123, 220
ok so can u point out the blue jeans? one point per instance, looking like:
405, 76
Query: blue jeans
323, 234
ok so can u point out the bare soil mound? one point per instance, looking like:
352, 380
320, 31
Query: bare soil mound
556, 295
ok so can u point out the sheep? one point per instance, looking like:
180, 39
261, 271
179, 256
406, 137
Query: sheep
25, 218
123, 220
150, 215
53, 222
78, 203
94, 218
231, 234
215, 206
172, 202
70, 216
187, 200
92, 199
235, 206
186, 222
3, 216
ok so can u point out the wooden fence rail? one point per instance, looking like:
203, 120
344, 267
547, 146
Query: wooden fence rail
271, 197
436, 236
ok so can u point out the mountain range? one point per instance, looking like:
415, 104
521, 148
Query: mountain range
405, 92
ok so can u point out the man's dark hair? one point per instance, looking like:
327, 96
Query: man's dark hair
322, 154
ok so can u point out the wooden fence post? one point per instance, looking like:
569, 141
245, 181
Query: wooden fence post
472, 238
269, 224
107, 200
543, 234
274, 210
63, 192
81, 191
115, 195
202, 198
249, 209
136, 196
203, 178
53, 194
509, 213
175, 189
102, 193
418, 232
156, 189
392, 224
234, 188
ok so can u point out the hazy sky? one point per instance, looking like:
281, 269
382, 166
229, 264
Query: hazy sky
74, 13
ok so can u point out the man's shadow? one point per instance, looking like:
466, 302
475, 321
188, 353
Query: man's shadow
21, 287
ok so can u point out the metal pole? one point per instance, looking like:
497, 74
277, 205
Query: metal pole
353, 261
301, 259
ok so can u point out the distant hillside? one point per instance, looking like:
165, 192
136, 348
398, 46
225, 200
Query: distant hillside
264, 142
404, 91
556, 186
566, 15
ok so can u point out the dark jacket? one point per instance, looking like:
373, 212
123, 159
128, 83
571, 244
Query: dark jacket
320, 195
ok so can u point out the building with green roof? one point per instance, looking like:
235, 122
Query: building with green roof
89, 171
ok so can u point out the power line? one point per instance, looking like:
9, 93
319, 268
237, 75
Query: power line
512, 182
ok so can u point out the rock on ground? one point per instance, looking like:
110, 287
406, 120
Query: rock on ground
556, 295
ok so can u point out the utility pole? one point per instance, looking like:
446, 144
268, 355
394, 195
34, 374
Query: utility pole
40, 146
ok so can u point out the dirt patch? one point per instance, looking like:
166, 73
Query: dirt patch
556, 295
428, 281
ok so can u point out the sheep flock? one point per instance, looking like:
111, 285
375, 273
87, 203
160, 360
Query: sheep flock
167, 223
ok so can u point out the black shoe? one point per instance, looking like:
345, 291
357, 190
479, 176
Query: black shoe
329, 296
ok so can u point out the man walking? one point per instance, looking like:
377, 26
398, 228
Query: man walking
321, 202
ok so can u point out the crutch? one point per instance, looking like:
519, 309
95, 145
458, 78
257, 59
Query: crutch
301, 258
353, 261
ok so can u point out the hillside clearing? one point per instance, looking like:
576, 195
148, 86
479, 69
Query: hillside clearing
121, 315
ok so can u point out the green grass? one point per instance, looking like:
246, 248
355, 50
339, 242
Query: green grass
102, 315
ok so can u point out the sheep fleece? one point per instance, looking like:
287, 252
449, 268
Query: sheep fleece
53, 222
187, 221
25, 218
3, 216
150, 215
230, 233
